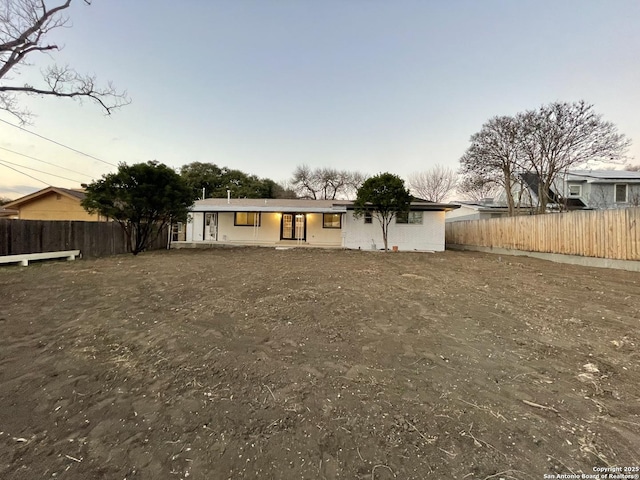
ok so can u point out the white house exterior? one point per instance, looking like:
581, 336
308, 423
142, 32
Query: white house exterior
424, 234
476, 211
313, 223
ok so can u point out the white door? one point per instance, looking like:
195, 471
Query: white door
211, 227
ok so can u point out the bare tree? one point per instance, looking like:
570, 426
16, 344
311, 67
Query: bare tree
632, 168
560, 136
24, 25
540, 145
434, 184
304, 182
354, 181
325, 183
598, 198
477, 188
493, 158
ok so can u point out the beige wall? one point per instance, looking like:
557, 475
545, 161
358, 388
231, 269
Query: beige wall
269, 230
316, 235
53, 206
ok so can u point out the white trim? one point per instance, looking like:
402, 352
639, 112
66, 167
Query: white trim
579, 194
24, 258
615, 192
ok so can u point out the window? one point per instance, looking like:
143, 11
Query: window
176, 231
247, 219
575, 190
413, 218
368, 218
331, 220
621, 193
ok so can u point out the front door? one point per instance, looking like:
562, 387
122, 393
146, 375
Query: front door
294, 226
211, 226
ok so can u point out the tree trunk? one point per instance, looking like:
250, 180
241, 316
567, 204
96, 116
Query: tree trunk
510, 202
385, 231
542, 197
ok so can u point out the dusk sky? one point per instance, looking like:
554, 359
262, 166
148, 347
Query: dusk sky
368, 85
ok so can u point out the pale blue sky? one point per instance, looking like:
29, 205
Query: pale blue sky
366, 85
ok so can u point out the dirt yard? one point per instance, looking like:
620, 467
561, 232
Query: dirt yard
314, 364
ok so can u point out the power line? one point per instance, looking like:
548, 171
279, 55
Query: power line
26, 174
39, 171
44, 161
13, 190
58, 143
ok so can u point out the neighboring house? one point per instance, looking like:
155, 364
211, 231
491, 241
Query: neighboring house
603, 188
580, 190
322, 223
8, 213
476, 211
52, 203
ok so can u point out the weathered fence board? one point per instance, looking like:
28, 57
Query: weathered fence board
93, 239
613, 234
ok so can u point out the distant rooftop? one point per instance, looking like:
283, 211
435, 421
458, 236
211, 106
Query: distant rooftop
605, 174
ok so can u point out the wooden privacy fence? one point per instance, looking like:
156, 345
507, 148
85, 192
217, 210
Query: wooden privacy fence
93, 239
613, 234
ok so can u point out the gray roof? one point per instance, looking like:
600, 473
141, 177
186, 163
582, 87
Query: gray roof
600, 175
294, 205
74, 193
269, 205
8, 212
483, 207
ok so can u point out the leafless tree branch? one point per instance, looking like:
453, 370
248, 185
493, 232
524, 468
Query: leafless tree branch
543, 143
24, 25
434, 184
325, 183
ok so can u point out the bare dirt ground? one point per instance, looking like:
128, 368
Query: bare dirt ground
258, 363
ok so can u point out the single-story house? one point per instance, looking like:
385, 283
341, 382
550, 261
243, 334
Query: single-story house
53, 203
476, 211
321, 223
8, 213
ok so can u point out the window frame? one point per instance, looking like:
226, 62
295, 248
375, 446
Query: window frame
410, 218
252, 224
368, 218
324, 222
579, 194
626, 192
